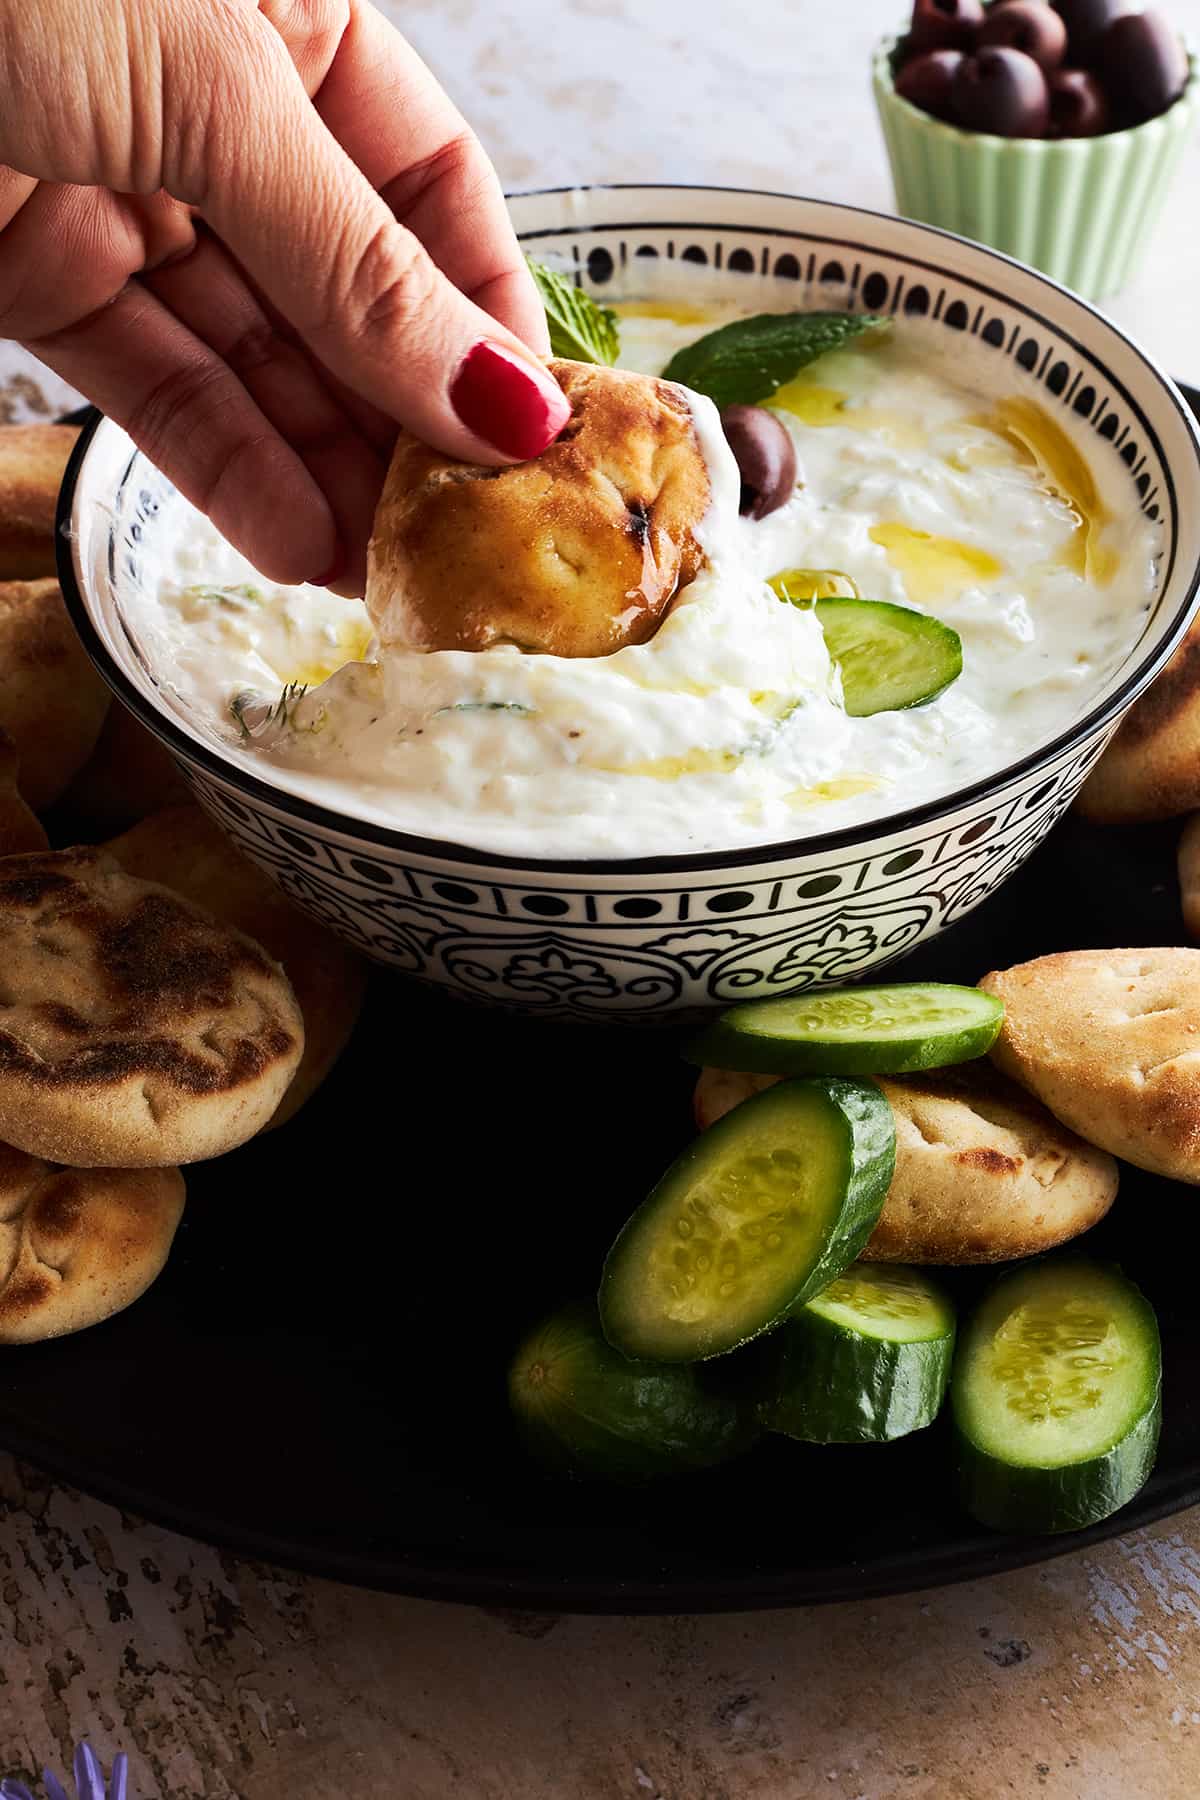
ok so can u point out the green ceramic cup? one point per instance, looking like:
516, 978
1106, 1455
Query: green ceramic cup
1081, 209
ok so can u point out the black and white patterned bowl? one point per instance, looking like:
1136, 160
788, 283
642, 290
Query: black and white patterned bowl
649, 937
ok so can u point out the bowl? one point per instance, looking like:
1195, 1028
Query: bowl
654, 938
1080, 209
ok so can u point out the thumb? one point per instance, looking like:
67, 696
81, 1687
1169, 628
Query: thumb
358, 287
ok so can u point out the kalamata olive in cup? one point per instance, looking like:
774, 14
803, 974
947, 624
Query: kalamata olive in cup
1027, 25
927, 81
1144, 64
1078, 104
1002, 91
1085, 20
765, 455
943, 25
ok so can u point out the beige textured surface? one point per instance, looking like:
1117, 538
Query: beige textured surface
1080, 1681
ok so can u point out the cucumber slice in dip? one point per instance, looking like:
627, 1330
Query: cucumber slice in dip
891, 1030
586, 1410
891, 657
867, 1360
1056, 1398
756, 1217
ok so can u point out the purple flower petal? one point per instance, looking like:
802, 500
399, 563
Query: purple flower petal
120, 1775
89, 1776
54, 1787
14, 1790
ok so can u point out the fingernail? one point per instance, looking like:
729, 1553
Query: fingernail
511, 404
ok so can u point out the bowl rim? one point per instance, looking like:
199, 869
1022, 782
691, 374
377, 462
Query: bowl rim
191, 750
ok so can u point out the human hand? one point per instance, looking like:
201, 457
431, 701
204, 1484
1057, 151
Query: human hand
258, 236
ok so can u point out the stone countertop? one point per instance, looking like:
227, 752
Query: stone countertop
1079, 1680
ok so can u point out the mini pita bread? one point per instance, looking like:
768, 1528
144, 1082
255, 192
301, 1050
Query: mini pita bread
983, 1172
52, 702
1110, 1041
135, 1030
128, 776
33, 460
1151, 767
182, 849
77, 1245
20, 829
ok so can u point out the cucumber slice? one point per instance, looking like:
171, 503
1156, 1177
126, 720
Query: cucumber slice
584, 1409
867, 1360
853, 1031
757, 1216
891, 657
1056, 1398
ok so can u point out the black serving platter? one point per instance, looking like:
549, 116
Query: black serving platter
318, 1377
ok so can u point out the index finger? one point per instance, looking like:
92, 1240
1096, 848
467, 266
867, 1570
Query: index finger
412, 144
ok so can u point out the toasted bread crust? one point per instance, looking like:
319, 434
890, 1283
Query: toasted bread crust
984, 1173
77, 1245
1109, 1040
134, 1030
1151, 767
33, 459
576, 553
182, 849
52, 702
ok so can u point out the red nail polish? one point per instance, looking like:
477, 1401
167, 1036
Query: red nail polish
506, 402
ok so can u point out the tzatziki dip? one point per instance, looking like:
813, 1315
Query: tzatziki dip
917, 484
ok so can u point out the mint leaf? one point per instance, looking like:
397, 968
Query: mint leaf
747, 361
578, 327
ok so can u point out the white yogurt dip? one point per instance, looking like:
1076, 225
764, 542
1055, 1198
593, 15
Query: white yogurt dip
726, 728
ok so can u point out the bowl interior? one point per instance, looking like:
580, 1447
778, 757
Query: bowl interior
120, 509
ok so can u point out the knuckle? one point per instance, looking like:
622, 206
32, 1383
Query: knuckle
459, 163
311, 29
388, 285
184, 408
255, 348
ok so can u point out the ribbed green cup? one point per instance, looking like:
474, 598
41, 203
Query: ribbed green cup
1081, 209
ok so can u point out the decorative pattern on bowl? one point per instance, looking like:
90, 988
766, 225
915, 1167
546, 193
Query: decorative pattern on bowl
649, 938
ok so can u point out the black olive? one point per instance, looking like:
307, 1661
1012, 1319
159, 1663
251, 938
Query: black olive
1002, 91
943, 25
766, 458
1085, 21
1144, 64
1027, 25
1078, 106
927, 81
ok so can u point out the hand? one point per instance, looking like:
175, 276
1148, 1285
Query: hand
258, 236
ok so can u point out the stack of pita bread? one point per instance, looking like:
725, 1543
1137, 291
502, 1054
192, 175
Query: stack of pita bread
160, 1000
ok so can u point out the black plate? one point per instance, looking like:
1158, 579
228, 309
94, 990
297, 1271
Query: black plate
317, 1378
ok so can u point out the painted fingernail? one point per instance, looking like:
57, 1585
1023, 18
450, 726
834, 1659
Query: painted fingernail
511, 404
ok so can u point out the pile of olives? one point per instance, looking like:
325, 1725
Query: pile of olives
1040, 68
